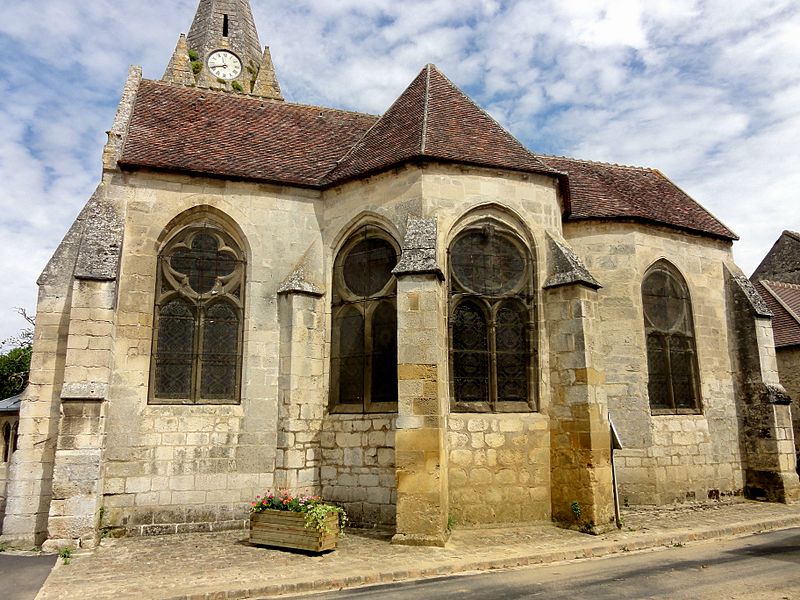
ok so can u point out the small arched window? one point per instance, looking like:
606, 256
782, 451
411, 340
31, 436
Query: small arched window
673, 377
197, 345
364, 333
7, 442
491, 326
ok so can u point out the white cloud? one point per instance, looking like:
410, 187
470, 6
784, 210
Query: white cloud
708, 91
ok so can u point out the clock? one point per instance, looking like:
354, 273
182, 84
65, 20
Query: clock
225, 65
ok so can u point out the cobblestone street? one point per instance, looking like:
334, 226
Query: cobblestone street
224, 565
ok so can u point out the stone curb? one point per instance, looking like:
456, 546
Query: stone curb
520, 558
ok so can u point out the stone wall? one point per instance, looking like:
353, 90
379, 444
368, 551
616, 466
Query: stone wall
499, 469
4, 466
196, 467
667, 458
789, 371
358, 466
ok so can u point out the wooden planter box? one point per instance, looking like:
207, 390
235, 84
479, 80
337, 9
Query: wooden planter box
285, 529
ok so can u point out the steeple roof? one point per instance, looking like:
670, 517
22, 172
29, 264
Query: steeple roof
218, 21
432, 119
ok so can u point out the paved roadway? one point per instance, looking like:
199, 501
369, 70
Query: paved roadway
764, 567
22, 575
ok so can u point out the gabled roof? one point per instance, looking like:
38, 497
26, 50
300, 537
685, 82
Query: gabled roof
602, 190
782, 262
783, 300
214, 133
432, 119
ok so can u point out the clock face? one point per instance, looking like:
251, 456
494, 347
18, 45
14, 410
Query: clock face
224, 64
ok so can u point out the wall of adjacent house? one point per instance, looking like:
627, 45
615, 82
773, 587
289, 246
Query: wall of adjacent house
667, 458
789, 372
196, 467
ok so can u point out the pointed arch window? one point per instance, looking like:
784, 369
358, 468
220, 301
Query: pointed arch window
364, 318
197, 343
492, 351
673, 384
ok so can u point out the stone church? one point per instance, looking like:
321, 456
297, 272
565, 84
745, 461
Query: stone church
411, 314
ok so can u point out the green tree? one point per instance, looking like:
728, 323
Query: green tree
15, 359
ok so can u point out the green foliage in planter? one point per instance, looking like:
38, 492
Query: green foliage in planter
316, 510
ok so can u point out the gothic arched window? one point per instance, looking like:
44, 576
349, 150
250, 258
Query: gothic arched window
197, 343
673, 377
364, 333
491, 327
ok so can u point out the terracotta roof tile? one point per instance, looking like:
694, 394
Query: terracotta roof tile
203, 132
199, 131
783, 300
602, 190
433, 119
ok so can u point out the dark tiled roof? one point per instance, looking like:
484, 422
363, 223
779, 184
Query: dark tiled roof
783, 300
433, 119
601, 190
199, 131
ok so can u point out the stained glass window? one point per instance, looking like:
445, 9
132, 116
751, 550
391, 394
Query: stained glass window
198, 319
673, 377
491, 302
364, 340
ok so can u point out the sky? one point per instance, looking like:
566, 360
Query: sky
706, 91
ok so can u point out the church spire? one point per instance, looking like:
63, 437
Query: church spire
224, 52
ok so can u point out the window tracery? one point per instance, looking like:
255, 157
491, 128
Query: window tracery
364, 319
197, 343
491, 326
673, 376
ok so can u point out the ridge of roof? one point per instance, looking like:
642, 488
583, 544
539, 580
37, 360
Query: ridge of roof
433, 119
236, 96
610, 191
596, 162
791, 234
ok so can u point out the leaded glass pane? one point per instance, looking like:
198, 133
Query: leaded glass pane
681, 363
220, 352
512, 353
664, 302
384, 353
203, 263
671, 357
470, 354
351, 357
368, 266
658, 382
486, 262
174, 354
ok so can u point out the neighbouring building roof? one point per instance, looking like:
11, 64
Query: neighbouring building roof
602, 190
782, 262
11, 405
783, 299
777, 279
203, 132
